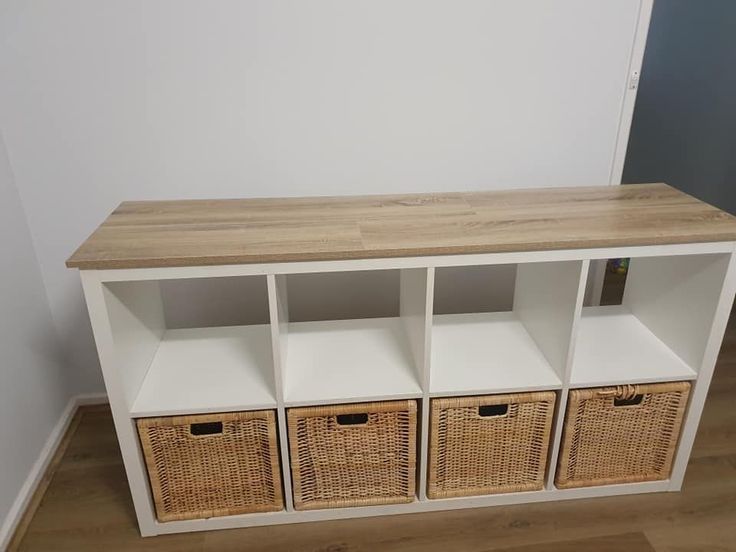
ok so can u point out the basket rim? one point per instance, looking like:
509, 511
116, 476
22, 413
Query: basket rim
483, 400
352, 408
641, 388
164, 421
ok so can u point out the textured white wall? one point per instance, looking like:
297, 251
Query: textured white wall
132, 99
33, 386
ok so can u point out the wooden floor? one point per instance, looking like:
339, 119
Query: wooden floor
87, 506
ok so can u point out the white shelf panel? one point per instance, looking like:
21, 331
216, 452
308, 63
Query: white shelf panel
486, 353
614, 347
202, 370
340, 361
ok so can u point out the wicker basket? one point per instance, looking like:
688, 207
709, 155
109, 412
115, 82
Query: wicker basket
623, 434
491, 444
353, 455
212, 465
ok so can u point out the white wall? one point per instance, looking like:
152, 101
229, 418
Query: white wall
132, 99
33, 386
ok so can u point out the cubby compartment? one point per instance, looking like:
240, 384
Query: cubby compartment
660, 330
192, 346
212, 465
353, 454
622, 434
520, 339
489, 444
368, 340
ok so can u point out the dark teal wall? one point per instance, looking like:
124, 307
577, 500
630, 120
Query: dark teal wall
684, 127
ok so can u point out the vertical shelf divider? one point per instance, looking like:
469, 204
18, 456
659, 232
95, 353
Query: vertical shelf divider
565, 374
278, 308
417, 300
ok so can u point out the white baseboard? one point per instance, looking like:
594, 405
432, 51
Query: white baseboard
38, 470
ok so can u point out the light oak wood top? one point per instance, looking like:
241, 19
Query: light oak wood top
146, 234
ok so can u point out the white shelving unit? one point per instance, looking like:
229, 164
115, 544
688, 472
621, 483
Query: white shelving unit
669, 327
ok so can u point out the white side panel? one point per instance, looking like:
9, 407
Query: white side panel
716, 329
136, 317
544, 301
676, 298
125, 427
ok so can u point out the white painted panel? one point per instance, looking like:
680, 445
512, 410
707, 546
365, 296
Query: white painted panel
544, 301
413, 312
198, 370
676, 297
614, 347
346, 360
278, 310
136, 318
705, 373
125, 428
486, 353
281, 299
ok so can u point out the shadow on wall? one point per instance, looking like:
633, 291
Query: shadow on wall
684, 126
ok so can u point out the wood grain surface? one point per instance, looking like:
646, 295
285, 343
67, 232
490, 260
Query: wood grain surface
87, 506
146, 234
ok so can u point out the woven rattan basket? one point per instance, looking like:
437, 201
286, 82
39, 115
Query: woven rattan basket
623, 434
353, 455
212, 465
490, 444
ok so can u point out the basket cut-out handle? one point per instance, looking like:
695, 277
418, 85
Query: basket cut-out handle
206, 428
626, 392
352, 419
493, 410
633, 401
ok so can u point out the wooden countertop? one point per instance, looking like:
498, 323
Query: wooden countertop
145, 234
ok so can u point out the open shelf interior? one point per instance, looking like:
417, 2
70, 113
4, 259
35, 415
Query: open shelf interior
199, 370
477, 353
360, 344
184, 348
518, 344
615, 347
660, 329
347, 360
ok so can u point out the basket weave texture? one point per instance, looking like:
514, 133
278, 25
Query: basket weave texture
474, 452
233, 471
339, 460
604, 443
